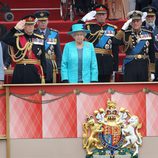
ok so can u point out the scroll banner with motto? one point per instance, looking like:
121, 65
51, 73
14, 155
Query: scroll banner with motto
60, 111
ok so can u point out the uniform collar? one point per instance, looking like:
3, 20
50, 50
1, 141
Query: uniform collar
137, 33
101, 24
148, 26
44, 31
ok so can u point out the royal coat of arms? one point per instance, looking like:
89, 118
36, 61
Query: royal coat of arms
112, 133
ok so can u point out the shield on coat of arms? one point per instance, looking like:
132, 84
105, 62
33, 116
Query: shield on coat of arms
111, 136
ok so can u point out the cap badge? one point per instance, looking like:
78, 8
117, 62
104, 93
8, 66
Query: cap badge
42, 14
30, 19
101, 8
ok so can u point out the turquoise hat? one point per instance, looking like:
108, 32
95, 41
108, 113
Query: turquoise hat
78, 28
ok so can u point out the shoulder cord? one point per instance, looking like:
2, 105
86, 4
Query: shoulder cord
98, 32
14, 56
127, 43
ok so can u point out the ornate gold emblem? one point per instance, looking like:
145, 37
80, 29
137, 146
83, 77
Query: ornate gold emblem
111, 133
101, 8
30, 19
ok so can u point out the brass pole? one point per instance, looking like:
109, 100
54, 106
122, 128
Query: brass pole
7, 124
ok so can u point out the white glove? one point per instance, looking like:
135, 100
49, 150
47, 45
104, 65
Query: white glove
89, 16
144, 16
126, 24
20, 25
152, 76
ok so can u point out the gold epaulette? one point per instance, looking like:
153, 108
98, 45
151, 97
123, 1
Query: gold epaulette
120, 34
19, 34
112, 25
89, 23
40, 36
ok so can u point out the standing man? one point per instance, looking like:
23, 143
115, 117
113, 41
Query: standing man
52, 46
101, 36
27, 52
155, 4
150, 25
5, 60
139, 48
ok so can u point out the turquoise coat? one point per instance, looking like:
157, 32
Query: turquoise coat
69, 64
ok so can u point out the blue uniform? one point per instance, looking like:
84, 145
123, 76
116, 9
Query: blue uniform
52, 52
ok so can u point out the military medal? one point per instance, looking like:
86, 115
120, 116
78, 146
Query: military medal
147, 43
156, 37
109, 41
38, 41
107, 46
52, 41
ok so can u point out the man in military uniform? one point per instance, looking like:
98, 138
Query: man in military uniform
139, 48
5, 59
27, 51
52, 46
101, 36
150, 25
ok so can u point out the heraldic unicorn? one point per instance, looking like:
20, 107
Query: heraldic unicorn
112, 133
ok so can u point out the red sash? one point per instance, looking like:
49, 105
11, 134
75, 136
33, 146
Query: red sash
30, 53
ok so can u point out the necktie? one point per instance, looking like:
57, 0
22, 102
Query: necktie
42, 33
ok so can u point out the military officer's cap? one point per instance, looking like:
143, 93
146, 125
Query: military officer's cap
101, 9
151, 11
42, 15
30, 19
135, 15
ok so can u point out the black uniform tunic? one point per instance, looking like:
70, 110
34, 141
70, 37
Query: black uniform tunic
106, 64
136, 66
155, 33
26, 73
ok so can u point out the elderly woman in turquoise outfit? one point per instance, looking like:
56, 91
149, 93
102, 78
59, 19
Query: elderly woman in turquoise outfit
79, 64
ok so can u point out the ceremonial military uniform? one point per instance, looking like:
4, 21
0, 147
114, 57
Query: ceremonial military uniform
151, 12
52, 48
101, 36
27, 52
139, 49
155, 33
